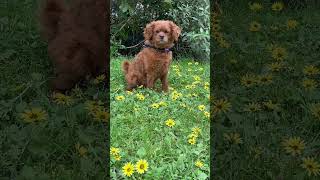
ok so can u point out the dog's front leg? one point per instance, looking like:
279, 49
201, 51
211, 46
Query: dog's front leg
150, 82
165, 83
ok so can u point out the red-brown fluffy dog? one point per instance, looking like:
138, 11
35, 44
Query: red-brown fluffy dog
76, 38
152, 63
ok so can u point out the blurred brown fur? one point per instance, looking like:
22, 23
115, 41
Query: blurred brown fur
76, 36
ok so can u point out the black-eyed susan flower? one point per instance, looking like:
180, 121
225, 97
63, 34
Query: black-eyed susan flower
277, 6
254, 26
129, 92
206, 114
311, 166
120, 98
192, 140
140, 97
128, 169
101, 115
93, 106
114, 151
276, 66
170, 123
221, 105
248, 80
199, 164
271, 106
279, 53
82, 151
142, 166
62, 99
155, 105
252, 107
309, 84
117, 157
162, 103
34, 115
196, 130
256, 151
265, 79
99, 79
293, 145
233, 138
292, 24
310, 70
315, 110
201, 107
255, 6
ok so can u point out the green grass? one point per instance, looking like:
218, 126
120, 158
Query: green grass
140, 131
258, 152
45, 149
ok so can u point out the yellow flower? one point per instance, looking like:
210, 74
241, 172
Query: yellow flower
255, 6
140, 97
93, 106
99, 79
34, 115
292, 24
196, 130
309, 84
155, 106
254, 26
170, 122
128, 169
293, 145
312, 166
142, 166
120, 98
101, 115
277, 6
197, 78
62, 99
276, 66
199, 164
114, 151
252, 107
279, 53
207, 114
81, 150
233, 138
315, 110
129, 92
248, 80
310, 70
117, 157
265, 79
221, 105
183, 105
271, 106
192, 141
257, 151
201, 107
162, 103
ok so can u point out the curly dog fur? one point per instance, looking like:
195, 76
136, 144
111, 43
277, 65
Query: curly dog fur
150, 64
76, 38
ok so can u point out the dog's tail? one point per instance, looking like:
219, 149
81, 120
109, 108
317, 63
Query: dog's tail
125, 66
50, 14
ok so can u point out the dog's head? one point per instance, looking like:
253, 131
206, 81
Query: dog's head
162, 34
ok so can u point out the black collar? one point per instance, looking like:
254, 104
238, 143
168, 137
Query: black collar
163, 50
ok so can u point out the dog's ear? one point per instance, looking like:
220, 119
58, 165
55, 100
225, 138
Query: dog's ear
175, 30
125, 66
148, 31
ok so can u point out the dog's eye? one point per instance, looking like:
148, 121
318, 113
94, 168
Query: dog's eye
157, 31
165, 31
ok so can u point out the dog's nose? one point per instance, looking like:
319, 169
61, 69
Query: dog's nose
161, 36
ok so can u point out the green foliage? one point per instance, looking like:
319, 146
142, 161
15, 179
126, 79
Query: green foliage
130, 17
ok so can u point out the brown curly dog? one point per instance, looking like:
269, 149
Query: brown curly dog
76, 39
153, 61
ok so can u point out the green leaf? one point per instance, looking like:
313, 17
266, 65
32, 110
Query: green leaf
141, 152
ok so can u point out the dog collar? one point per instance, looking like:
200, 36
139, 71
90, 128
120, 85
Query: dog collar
165, 50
